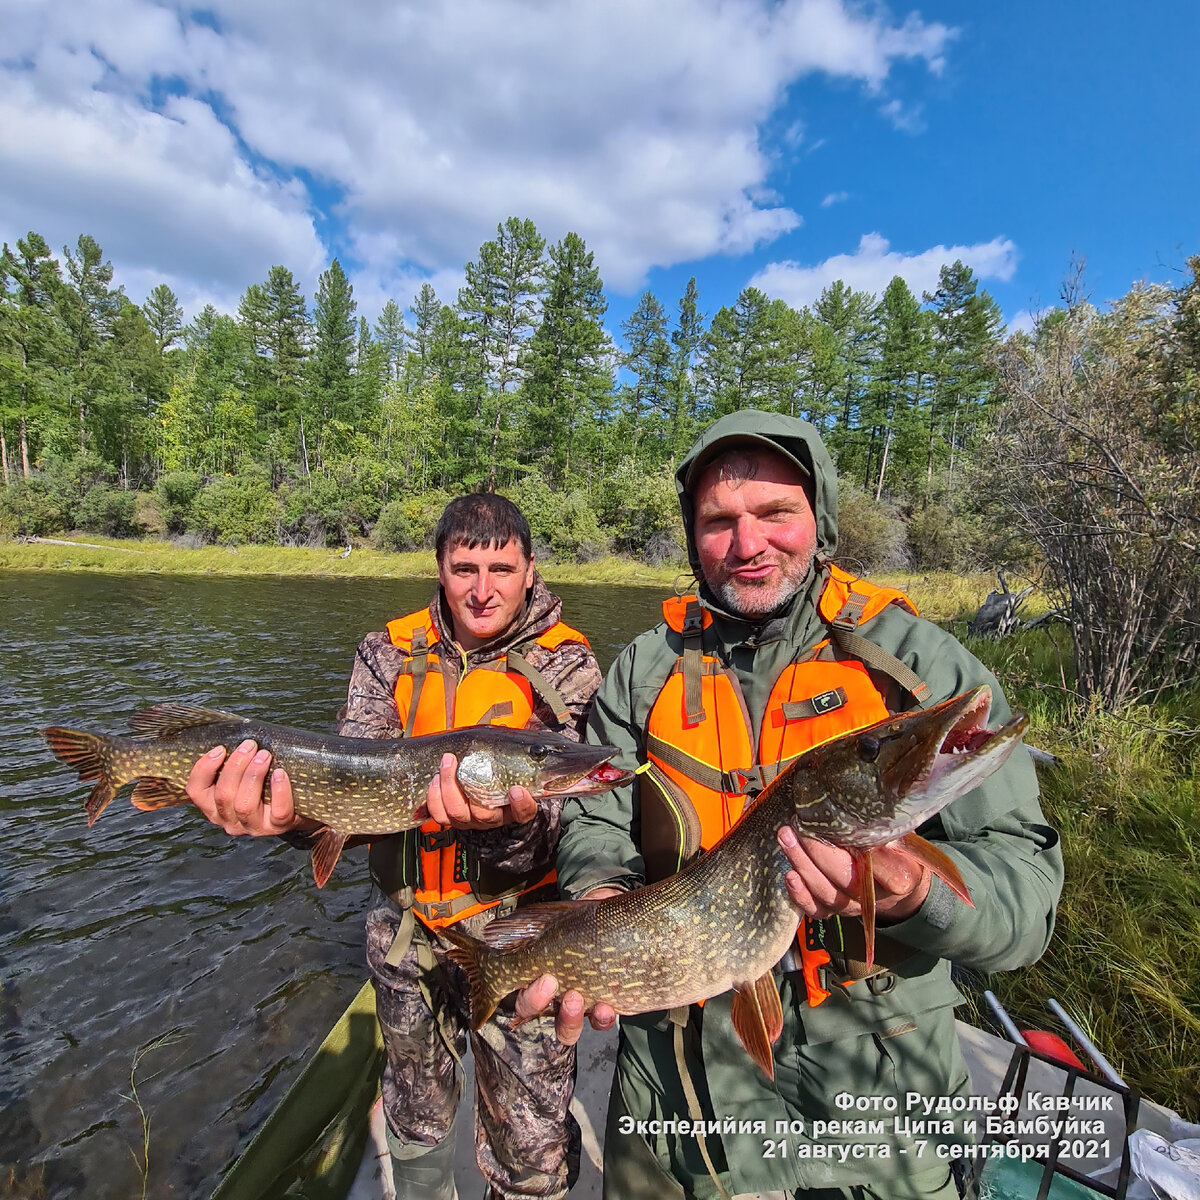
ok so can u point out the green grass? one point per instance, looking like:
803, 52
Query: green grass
117, 557
1125, 957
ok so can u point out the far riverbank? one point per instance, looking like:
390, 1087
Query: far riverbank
939, 596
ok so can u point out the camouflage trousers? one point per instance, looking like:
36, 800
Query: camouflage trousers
526, 1141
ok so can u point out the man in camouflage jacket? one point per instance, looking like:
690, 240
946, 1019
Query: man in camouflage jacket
527, 1143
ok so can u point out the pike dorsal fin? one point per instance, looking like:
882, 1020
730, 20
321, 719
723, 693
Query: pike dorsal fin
165, 719
506, 933
758, 1020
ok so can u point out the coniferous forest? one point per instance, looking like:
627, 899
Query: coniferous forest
296, 420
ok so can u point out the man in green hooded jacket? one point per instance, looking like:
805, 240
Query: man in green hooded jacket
862, 1061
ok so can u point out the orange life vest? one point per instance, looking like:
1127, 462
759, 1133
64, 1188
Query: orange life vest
445, 887
699, 736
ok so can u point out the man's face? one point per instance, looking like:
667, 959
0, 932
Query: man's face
484, 589
756, 537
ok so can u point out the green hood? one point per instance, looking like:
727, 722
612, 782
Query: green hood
794, 437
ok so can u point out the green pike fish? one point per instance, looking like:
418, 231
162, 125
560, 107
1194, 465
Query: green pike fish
726, 919
354, 786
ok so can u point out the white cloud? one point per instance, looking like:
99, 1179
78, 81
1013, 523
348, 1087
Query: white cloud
905, 117
873, 265
834, 198
1022, 322
420, 126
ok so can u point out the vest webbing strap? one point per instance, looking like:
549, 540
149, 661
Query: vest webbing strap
679, 1019
800, 710
420, 653
740, 781
693, 661
540, 684
875, 656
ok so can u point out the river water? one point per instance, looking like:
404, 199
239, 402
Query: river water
153, 943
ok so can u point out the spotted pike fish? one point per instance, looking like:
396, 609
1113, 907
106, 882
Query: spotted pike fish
726, 919
354, 786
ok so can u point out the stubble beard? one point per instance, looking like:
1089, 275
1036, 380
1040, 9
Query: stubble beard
755, 601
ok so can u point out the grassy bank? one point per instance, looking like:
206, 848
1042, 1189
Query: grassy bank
1125, 959
941, 597
92, 553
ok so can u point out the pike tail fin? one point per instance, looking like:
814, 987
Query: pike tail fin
90, 755
470, 955
938, 861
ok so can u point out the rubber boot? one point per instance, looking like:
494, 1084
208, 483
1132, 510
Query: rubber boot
428, 1175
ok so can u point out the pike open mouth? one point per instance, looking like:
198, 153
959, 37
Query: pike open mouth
969, 744
607, 774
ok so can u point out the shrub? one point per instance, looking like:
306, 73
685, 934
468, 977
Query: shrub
870, 532
638, 504
109, 511
941, 537
564, 521
176, 492
29, 508
238, 508
409, 524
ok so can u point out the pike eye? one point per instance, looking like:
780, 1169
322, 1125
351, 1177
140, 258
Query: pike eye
539, 753
868, 748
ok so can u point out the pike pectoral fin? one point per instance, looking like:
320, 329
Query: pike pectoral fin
866, 887
152, 793
938, 861
325, 853
758, 1020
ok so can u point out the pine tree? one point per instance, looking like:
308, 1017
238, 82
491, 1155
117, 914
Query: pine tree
648, 357
686, 340
165, 315
426, 309
892, 412
330, 395
849, 317
88, 306
499, 305
966, 325
571, 372
35, 358
392, 339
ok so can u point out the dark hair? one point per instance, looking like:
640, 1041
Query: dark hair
482, 519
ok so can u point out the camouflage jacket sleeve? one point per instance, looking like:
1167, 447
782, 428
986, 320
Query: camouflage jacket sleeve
370, 708
526, 849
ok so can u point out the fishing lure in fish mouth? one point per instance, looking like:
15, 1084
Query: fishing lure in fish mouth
726, 919
356, 787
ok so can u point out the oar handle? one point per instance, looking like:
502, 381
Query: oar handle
1006, 1022
1102, 1064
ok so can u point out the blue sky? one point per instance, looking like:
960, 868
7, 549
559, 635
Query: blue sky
783, 143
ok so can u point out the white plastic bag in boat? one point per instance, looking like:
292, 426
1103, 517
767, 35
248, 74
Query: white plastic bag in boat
1171, 1168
